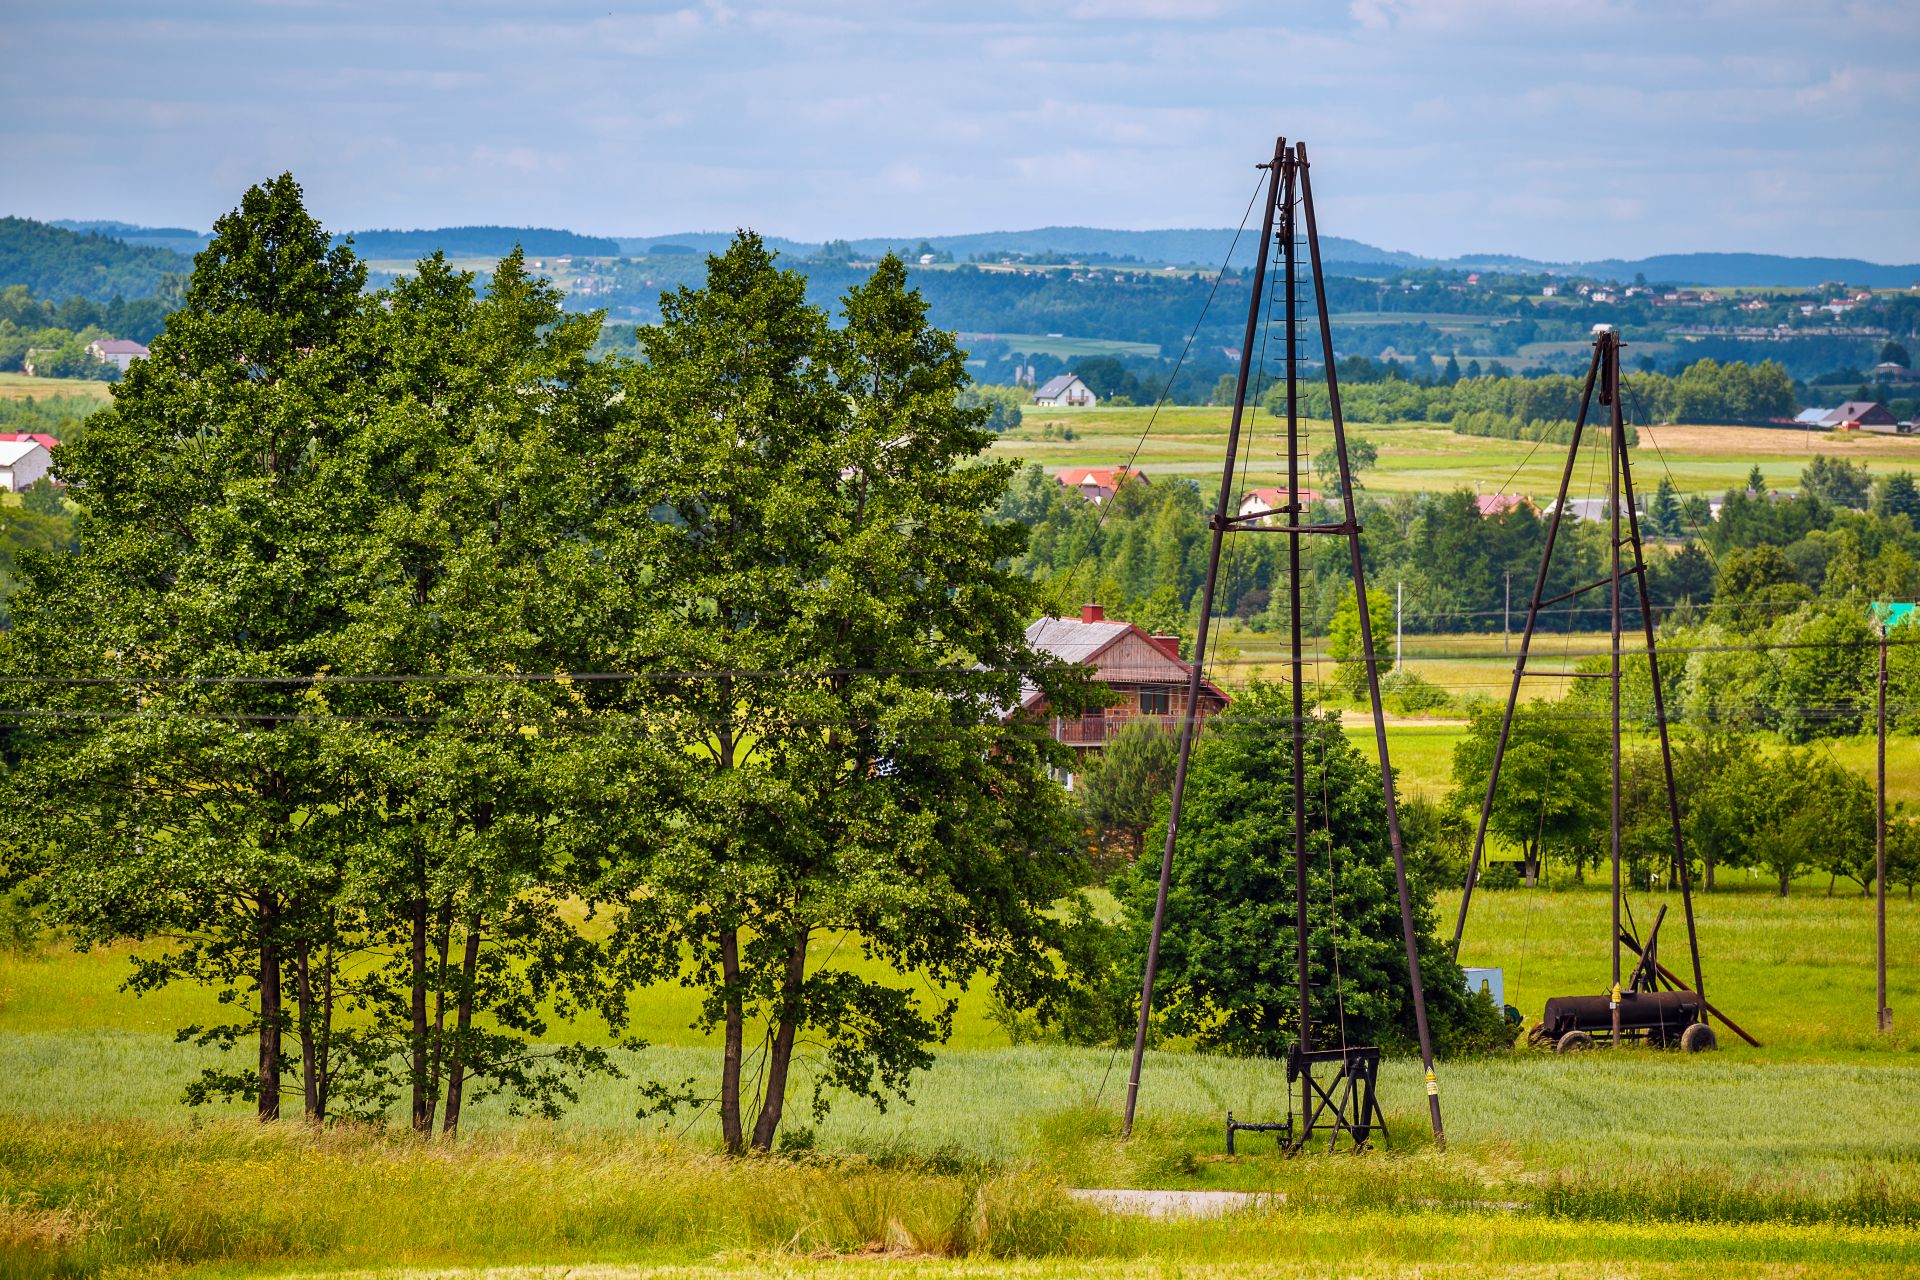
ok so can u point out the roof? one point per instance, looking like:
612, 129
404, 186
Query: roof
1057, 385
1082, 643
11, 451
1498, 504
1813, 417
1277, 497
1855, 410
51, 442
119, 347
1104, 477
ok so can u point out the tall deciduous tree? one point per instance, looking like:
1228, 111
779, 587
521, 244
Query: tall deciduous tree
838, 654
1553, 780
216, 489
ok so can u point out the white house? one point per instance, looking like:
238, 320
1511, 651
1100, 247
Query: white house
117, 352
21, 463
1063, 390
1262, 503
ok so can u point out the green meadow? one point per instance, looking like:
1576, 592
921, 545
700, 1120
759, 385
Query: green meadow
1799, 1152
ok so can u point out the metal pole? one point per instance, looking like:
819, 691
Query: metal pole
1297, 667
1194, 679
1880, 844
1660, 718
1506, 617
1399, 600
1610, 391
1394, 841
1526, 644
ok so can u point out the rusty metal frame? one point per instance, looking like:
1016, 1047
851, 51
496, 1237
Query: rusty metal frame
1289, 187
1603, 371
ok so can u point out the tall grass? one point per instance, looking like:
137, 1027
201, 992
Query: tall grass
94, 1200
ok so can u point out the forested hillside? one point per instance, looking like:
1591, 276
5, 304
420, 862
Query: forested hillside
55, 263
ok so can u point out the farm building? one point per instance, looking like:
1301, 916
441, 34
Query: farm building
1263, 502
23, 459
117, 352
1146, 671
1855, 414
1065, 391
1097, 484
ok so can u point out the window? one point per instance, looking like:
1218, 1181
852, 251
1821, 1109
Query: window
1156, 702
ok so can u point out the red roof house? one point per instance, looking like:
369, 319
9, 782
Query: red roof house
1097, 484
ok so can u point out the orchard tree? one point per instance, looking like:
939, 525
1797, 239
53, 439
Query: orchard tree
834, 643
1343, 640
1121, 785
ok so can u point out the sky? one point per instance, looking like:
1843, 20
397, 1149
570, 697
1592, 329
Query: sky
1554, 130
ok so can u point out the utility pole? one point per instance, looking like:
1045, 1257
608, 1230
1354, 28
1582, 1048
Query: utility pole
1399, 598
1506, 617
1880, 845
1888, 616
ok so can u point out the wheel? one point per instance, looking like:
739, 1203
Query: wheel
1574, 1042
1699, 1038
1539, 1037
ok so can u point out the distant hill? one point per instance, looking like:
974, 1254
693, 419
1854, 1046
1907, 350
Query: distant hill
1756, 268
57, 264
179, 239
1192, 246
480, 242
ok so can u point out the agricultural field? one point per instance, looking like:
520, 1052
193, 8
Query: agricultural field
1189, 442
1053, 344
18, 386
1801, 1151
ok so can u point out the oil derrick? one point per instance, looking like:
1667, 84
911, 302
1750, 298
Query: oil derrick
1346, 1103
1654, 1005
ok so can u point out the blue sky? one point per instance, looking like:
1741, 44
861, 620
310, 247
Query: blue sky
1557, 130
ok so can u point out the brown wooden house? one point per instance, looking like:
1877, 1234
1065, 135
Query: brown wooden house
1146, 671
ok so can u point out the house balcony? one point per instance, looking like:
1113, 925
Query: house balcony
1098, 730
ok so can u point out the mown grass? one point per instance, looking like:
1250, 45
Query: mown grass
18, 386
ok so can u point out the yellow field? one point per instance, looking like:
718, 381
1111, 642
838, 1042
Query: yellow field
18, 386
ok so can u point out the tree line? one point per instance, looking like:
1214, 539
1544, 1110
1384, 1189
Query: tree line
423, 680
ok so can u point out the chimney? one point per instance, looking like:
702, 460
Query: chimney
1169, 645
1092, 613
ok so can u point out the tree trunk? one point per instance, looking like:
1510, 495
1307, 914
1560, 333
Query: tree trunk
270, 1012
1707, 862
731, 1131
462, 1022
1785, 876
1530, 863
312, 1067
440, 1001
422, 1102
780, 1056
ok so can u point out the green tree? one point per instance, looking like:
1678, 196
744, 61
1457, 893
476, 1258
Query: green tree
1226, 973
811, 501
1663, 513
1892, 352
1756, 483
216, 489
1362, 454
1836, 482
1553, 781
1121, 785
1343, 640
1897, 495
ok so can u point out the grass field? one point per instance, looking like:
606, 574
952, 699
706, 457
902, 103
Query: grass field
1189, 442
18, 386
1802, 1151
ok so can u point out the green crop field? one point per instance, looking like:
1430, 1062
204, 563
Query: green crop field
1416, 456
1798, 1152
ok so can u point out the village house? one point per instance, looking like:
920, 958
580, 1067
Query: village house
23, 460
1264, 502
1065, 391
117, 352
1499, 504
1145, 671
1097, 484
